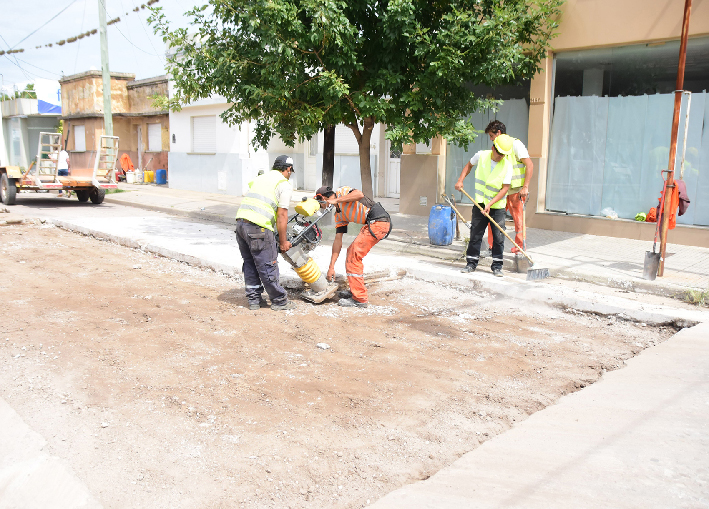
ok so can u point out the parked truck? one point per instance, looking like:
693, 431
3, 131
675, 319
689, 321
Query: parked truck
43, 174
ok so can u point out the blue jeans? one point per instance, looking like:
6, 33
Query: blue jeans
63, 173
260, 254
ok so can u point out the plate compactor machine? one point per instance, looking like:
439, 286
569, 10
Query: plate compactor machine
305, 235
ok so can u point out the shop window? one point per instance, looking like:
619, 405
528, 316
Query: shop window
204, 134
154, 137
611, 130
79, 138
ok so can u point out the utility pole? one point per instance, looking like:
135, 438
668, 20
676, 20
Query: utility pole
107, 115
669, 187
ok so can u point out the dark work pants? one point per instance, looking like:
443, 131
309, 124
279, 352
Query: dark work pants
260, 254
477, 230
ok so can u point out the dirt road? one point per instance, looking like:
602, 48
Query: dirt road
161, 389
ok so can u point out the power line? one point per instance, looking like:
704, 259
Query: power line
45, 24
127, 39
15, 62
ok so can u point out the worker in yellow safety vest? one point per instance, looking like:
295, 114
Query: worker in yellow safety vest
493, 176
263, 207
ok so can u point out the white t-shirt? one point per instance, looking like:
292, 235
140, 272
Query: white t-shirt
508, 176
63, 163
283, 194
519, 149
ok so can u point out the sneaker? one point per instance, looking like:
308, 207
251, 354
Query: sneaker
350, 303
344, 294
497, 272
282, 307
469, 268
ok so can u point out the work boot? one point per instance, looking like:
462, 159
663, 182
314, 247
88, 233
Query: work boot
283, 307
469, 268
344, 294
351, 303
497, 272
255, 306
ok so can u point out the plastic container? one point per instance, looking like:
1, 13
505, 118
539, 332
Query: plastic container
441, 225
148, 176
307, 207
138, 177
130, 177
161, 177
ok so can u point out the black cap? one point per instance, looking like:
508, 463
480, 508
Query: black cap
282, 162
324, 190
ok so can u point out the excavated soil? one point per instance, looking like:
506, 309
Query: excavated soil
161, 389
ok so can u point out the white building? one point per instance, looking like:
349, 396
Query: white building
207, 155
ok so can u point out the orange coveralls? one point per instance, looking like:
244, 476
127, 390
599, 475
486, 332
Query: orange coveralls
515, 206
356, 212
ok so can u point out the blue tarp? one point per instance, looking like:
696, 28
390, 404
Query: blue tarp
45, 107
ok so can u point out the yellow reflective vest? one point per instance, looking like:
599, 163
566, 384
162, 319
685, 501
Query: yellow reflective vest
518, 173
488, 180
258, 205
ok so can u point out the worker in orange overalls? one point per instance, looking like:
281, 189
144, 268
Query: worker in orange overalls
519, 190
352, 206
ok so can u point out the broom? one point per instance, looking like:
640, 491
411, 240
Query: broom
532, 274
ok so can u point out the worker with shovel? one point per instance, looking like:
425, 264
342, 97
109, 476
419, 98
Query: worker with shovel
493, 177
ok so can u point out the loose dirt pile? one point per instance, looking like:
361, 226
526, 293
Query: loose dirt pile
161, 389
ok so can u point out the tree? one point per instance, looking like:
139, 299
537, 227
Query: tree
297, 66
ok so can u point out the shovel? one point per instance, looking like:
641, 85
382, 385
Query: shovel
652, 258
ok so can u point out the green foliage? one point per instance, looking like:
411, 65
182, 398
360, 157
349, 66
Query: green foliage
59, 127
296, 66
163, 103
696, 297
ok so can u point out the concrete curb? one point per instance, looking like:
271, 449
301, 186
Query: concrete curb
533, 292
205, 216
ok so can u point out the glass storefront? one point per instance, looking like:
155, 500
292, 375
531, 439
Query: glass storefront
611, 128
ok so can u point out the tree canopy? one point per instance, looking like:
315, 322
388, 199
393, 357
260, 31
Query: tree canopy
296, 66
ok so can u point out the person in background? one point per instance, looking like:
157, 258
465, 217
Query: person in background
63, 167
519, 188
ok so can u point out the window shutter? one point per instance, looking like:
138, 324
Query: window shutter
154, 137
204, 133
79, 138
345, 141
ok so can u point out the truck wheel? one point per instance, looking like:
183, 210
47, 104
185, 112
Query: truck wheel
97, 195
82, 195
8, 190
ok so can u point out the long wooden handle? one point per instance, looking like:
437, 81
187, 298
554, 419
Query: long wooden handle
498, 226
461, 216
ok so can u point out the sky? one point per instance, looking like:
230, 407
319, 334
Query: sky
133, 48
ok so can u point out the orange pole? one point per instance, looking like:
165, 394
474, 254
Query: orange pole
669, 187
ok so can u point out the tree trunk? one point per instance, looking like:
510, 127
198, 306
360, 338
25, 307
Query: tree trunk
328, 156
363, 140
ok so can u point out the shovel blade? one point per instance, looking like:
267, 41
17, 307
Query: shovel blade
652, 263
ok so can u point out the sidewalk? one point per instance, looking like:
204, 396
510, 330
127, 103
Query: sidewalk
602, 260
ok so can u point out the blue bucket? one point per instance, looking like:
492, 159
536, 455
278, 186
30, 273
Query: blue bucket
161, 177
441, 225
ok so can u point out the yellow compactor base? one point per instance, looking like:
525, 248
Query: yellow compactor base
310, 272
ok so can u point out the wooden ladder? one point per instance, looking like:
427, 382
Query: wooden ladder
105, 162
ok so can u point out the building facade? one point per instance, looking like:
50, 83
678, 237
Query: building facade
22, 122
142, 129
208, 155
597, 122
